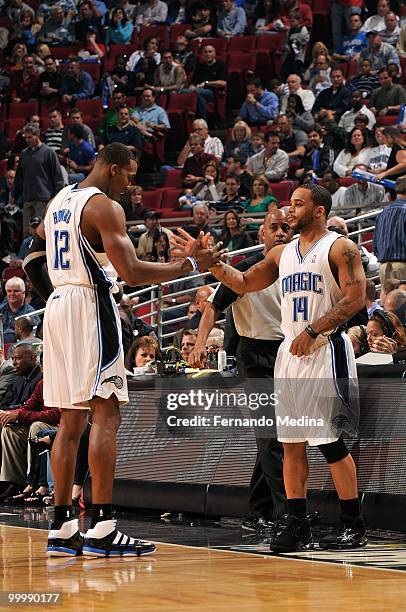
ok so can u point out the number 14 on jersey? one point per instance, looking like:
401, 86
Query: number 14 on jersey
300, 307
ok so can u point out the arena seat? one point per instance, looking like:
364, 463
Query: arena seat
387, 120
63, 53
173, 178
11, 126
123, 49
242, 44
170, 198
160, 31
181, 111
152, 199
91, 107
177, 29
21, 109
346, 181
282, 190
240, 66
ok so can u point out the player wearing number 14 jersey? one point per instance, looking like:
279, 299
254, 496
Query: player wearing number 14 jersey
323, 286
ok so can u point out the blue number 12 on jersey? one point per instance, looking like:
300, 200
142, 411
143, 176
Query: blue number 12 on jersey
300, 306
62, 244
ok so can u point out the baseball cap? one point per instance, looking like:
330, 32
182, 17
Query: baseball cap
34, 221
373, 32
152, 214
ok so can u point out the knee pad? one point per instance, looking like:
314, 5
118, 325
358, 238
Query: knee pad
335, 451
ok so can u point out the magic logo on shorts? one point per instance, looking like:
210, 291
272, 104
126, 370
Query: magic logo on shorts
116, 380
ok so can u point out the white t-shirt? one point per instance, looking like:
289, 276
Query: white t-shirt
338, 198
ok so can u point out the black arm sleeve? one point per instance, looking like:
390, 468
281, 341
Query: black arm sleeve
35, 267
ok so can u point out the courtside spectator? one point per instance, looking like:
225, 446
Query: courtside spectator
273, 162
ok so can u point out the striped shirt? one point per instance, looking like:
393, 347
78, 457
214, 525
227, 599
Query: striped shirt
390, 233
53, 138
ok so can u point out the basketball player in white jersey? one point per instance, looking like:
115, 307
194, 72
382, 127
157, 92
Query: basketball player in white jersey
322, 284
84, 243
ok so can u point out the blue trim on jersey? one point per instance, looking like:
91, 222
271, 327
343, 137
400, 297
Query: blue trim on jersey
90, 252
335, 378
117, 355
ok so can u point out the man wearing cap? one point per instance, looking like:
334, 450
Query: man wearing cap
146, 241
380, 54
32, 230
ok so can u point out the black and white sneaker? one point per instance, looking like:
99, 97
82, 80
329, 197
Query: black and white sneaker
352, 534
293, 534
255, 523
66, 541
104, 540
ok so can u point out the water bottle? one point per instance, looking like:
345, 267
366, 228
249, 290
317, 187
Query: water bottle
368, 176
401, 120
105, 94
221, 360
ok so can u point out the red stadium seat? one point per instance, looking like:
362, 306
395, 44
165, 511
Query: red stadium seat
124, 49
92, 122
240, 66
170, 198
11, 126
177, 29
21, 109
242, 44
269, 54
63, 53
282, 190
220, 44
3, 167
387, 120
92, 107
346, 181
160, 31
152, 199
218, 107
173, 178
167, 213
94, 69
181, 112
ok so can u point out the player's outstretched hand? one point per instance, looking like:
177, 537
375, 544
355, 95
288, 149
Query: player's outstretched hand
302, 344
187, 246
197, 358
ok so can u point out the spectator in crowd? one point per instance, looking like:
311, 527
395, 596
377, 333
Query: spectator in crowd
380, 54
337, 192
231, 198
57, 29
14, 62
77, 84
363, 192
27, 374
377, 22
318, 73
366, 81
32, 228
169, 76
378, 155
150, 51
200, 25
236, 164
396, 303
356, 152
388, 285
212, 145
304, 10
293, 142
341, 11
7, 373
150, 119
385, 333
7, 188
358, 107
388, 98
273, 162
260, 105
211, 188
200, 222
120, 29
146, 241
193, 168
132, 204
232, 20
396, 166
210, 75
302, 120
81, 157
14, 306
38, 178
28, 28
233, 234
24, 332
50, 81
390, 236
89, 17
318, 157
93, 50
76, 118
151, 12
369, 261
15, 8
111, 115
202, 296
183, 54
401, 44
240, 143
336, 98
143, 351
391, 32
371, 303
25, 84
297, 39
352, 44
160, 248
122, 79
125, 132
53, 135
260, 200
188, 342
294, 83
267, 17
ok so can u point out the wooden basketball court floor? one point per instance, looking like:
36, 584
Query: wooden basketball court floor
204, 577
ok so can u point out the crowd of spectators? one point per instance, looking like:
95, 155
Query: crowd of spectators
234, 101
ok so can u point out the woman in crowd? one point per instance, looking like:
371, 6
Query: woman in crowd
303, 120
268, 17
132, 203
212, 188
142, 351
378, 156
28, 28
385, 333
240, 143
396, 166
120, 29
93, 50
15, 61
320, 74
356, 152
261, 198
160, 249
233, 235
149, 52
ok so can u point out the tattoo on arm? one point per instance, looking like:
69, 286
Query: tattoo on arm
349, 257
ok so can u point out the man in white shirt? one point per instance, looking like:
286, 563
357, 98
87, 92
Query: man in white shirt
377, 22
152, 12
272, 161
212, 144
294, 83
347, 120
330, 182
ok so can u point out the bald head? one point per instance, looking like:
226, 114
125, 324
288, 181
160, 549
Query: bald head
202, 294
276, 229
338, 223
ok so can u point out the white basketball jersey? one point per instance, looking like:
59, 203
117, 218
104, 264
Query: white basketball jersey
309, 289
70, 258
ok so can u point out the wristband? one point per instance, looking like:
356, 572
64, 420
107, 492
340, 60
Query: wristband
309, 329
193, 261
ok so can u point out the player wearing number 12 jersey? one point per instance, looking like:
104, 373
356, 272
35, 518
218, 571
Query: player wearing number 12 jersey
323, 286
